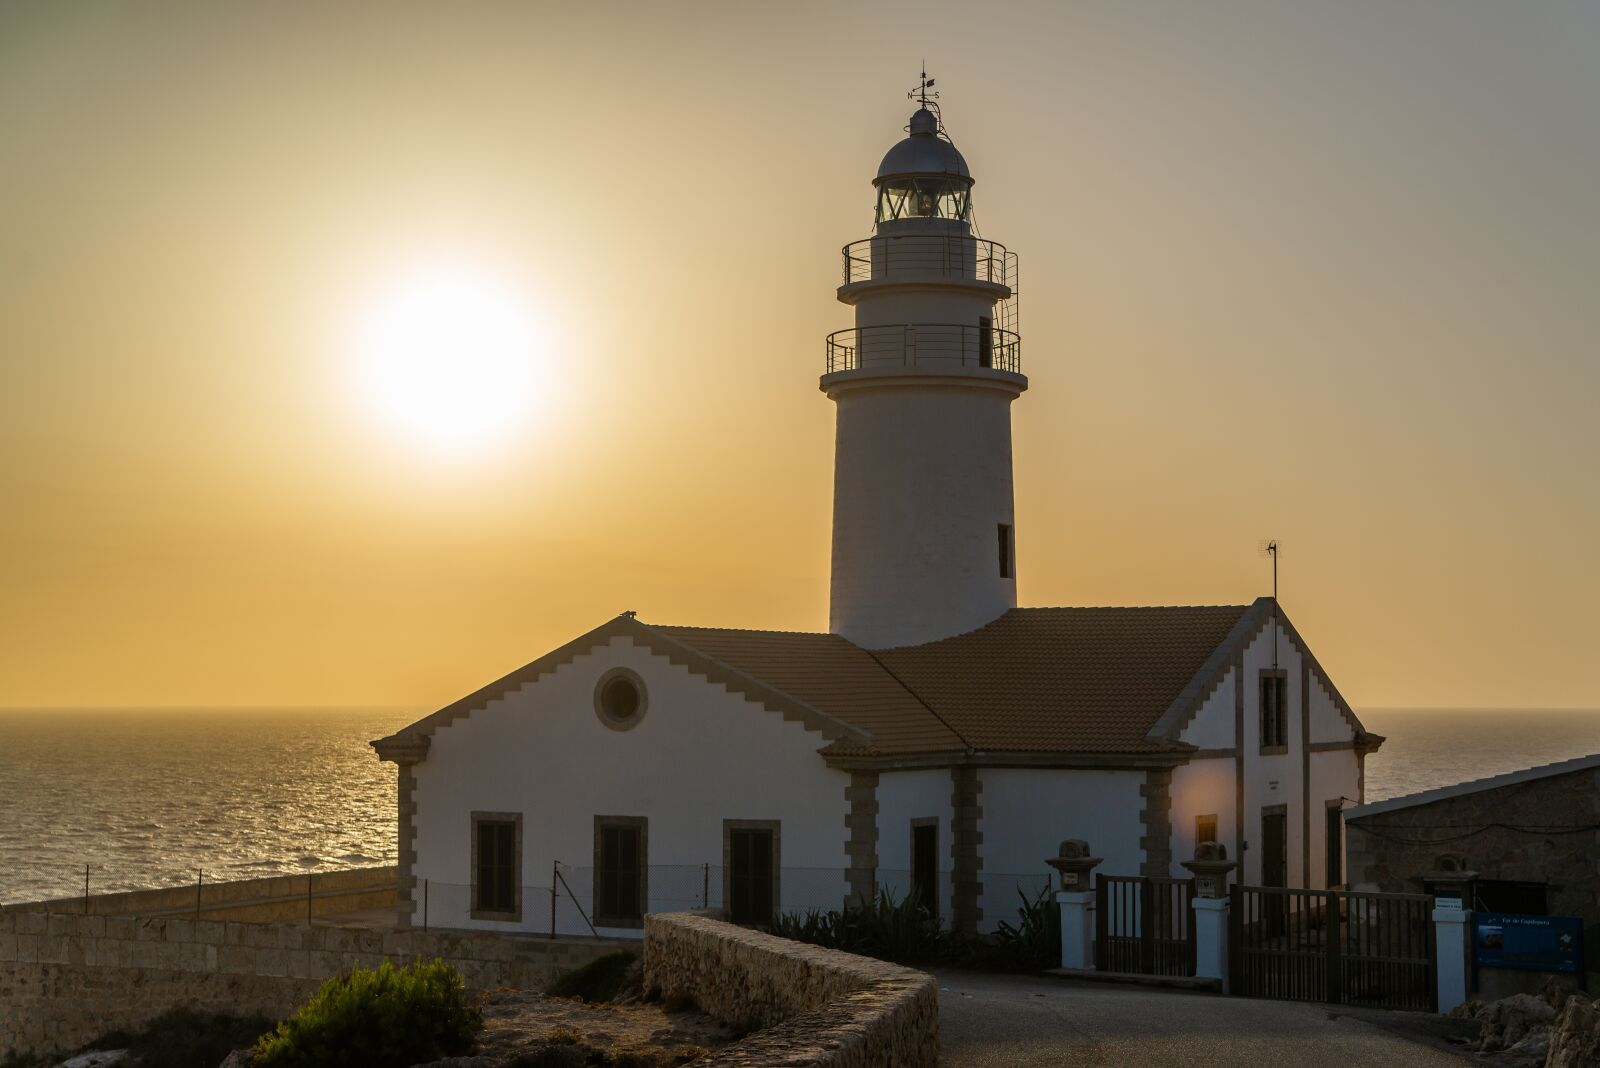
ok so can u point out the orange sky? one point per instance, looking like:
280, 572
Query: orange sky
1319, 271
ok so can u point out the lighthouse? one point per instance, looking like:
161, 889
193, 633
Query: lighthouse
924, 532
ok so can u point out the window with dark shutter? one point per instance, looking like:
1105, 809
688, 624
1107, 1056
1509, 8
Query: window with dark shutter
619, 871
495, 880
1274, 710
1335, 845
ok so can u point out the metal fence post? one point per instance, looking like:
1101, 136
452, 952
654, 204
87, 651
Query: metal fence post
424, 904
309, 877
199, 886
705, 886
554, 866
86, 889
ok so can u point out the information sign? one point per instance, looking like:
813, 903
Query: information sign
1533, 943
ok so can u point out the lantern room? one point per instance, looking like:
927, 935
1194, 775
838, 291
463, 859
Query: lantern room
923, 177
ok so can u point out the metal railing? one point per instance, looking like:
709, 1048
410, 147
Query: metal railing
928, 345
914, 257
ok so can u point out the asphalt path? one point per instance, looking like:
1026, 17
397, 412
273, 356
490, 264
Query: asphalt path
987, 1021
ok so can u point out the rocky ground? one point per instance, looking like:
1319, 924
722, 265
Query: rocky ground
525, 1030
1559, 1028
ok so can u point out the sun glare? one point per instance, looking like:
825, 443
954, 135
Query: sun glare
447, 358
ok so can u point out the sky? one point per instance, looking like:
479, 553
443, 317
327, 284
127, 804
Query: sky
1322, 272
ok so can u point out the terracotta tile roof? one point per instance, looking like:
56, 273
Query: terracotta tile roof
1045, 681
1053, 680
1039, 680
829, 674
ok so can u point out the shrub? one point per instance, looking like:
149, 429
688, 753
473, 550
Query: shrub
1034, 942
906, 931
380, 1018
599, 980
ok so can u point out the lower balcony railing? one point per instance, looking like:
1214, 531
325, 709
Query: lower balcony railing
929, 345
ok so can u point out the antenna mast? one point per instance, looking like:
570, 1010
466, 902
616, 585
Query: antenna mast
1272, 551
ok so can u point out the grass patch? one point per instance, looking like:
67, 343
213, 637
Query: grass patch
600, 980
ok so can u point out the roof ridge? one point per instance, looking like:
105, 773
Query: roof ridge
744, 630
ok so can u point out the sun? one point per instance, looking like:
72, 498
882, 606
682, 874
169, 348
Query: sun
447, 357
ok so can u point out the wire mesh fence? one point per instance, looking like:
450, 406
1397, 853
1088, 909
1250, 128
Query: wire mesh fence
582, 900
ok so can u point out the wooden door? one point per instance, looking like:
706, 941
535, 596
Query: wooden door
750, 876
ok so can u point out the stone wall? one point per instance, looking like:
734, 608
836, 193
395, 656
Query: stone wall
65, 979
275, 899
1541, 831
808, 1006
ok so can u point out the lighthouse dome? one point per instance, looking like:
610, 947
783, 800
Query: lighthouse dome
924, 152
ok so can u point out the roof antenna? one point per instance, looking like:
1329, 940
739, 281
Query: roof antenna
1269, 546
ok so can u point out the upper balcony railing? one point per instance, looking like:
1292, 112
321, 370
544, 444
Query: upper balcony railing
919, 257
932, 346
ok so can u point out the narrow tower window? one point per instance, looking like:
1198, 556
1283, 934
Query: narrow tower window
985, 341
1005, 550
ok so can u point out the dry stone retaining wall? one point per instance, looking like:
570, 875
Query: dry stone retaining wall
65, 980
813, 1007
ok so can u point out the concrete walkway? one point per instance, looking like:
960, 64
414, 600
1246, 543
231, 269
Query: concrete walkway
990, 1021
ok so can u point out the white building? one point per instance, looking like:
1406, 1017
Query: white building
938, 740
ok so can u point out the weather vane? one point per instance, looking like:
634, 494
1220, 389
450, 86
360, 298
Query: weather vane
924, 83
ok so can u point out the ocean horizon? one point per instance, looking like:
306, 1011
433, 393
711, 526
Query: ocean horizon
151, 797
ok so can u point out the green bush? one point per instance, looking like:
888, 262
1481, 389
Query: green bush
598, 981
906, 931
384, 1018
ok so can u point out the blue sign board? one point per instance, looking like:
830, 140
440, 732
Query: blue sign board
1533, 943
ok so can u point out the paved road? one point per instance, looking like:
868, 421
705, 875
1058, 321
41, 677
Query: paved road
990, 1021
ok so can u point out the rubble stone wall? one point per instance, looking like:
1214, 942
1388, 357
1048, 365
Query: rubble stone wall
806, 1005
1538, 831
65, 980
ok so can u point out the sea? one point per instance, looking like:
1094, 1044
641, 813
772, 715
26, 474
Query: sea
132, 799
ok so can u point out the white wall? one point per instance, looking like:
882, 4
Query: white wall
1333, 775
922, 482
699, 755
1327, 722
1028, 812
904, 796
1202, 787
1278, 779
1212, 726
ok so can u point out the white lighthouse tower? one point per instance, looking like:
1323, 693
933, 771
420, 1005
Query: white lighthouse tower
924, 538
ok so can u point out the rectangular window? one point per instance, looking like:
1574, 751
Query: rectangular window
985, 341
496, 866
750, 870
1274, 709
1005, 550
1335, 844
620, 867
925, 863
1205, 828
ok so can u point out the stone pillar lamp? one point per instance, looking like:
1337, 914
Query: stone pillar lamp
1210, 868
1074, 863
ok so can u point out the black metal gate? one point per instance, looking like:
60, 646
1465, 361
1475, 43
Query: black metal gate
1332, 945
1144, 925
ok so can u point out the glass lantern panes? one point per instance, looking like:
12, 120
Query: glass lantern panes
923, 198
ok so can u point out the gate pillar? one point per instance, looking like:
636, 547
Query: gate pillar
1210, 867
1450, 959
1076, 899
1077, 928
1211, 939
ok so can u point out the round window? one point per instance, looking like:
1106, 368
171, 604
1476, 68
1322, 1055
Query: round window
619, 699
